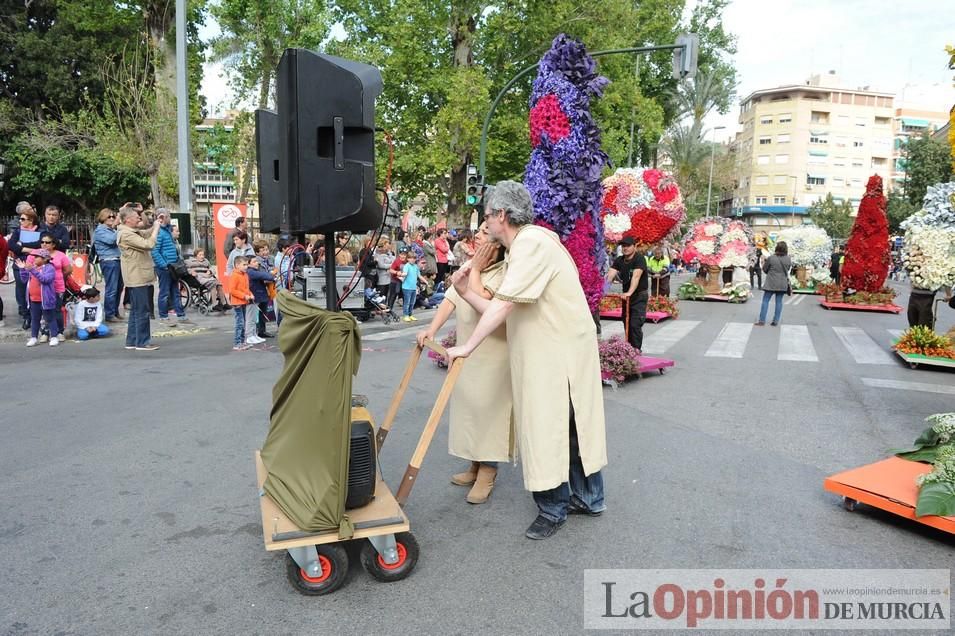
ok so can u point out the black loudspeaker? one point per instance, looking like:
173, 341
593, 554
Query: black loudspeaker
327, 129
362, 465
267, 149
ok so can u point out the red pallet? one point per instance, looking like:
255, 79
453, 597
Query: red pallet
891, 308
888, 485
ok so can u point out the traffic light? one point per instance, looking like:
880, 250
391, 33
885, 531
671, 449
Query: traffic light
475, 187
684, 57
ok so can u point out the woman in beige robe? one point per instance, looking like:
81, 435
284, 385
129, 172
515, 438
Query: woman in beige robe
481, 429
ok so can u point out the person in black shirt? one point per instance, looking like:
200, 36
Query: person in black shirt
835, 265
632, 270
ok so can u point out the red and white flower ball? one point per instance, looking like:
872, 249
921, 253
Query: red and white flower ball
642, 203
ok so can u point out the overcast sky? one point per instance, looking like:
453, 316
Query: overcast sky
888, 45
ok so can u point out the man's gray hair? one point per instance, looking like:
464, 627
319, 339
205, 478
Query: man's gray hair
125, 212
514, 199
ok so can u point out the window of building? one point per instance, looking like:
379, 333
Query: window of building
841, 142
779, 179
819, 117
857, 163
815, 138
765, 120
839, 162
838, 182
860, 122
762, 160
879, 162
785, 118
763, 141
761, 200
761, 180
812, 179
857, 143
843, 121
855, 182
778, 200
818, 159
782, 158
782, 139
882, 122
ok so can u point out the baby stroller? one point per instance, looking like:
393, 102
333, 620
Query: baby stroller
380, 306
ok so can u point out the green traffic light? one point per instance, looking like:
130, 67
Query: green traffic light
472, 200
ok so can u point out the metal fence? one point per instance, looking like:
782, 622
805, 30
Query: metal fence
81, 227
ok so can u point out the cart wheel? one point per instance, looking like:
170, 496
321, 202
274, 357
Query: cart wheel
334, 562
407, 559
203, 309
849, 504
913, 365
661, 371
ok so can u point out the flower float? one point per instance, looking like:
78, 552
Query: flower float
866, 262
928, 251
618, 359
641, 203
719, 242
809, 246
563, 174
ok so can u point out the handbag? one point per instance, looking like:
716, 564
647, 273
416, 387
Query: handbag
178, 269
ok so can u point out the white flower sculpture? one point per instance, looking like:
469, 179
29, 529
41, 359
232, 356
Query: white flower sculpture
808, 245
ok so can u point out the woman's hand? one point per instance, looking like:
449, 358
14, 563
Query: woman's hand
424, 334
484, 256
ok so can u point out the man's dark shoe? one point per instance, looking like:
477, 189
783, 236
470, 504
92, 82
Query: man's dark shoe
26, 324
577, 507
542, 528
265, 334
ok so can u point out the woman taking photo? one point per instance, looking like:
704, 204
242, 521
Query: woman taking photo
776, 284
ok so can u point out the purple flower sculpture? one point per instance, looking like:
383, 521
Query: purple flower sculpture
563, 174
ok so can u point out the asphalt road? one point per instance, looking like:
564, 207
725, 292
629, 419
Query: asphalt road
129, 503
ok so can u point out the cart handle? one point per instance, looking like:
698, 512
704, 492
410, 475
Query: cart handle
392, 412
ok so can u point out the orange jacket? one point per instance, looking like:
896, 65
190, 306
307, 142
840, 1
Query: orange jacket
239, 292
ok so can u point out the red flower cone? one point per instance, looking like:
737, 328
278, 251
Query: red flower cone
867, 252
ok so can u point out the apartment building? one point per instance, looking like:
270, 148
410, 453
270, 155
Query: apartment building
212, 180
799, 143
911, 121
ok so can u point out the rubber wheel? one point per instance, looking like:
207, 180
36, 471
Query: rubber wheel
203, 309
407, 559
334, 562
849, 504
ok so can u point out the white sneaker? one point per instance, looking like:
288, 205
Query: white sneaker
31, 342
54, 341
254, 340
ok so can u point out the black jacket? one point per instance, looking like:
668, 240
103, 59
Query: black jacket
60, 234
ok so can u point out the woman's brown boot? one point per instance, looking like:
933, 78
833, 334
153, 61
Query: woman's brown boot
467, 477
483, 485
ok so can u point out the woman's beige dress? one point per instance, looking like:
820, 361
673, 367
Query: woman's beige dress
482, 414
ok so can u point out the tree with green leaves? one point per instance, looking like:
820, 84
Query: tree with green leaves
897, 209
927, 162
835, 218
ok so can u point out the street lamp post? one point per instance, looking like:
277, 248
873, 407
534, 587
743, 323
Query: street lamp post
709, 188
792, 206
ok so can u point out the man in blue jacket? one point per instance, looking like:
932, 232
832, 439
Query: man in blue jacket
164, 255
61, 234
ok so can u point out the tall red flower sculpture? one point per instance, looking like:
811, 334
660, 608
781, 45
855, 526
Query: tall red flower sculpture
867, 252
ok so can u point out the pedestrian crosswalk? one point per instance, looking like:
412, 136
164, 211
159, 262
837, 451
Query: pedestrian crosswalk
792, 343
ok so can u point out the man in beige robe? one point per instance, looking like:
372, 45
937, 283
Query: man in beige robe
555, 367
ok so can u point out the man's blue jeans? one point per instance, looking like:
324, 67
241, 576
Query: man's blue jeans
168, 290
764, 308
137, 330
111, 278
553, 503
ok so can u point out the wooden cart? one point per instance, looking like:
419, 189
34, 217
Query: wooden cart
317, 562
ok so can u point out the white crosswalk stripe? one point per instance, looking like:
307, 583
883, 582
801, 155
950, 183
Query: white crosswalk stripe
668, 335
731, 343
795, 344
862, 347
896, 333
880, 383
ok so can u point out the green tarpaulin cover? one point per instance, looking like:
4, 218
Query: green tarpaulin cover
306, 450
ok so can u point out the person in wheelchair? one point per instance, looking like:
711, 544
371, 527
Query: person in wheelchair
204, 280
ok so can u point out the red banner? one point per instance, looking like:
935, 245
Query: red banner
225, 215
